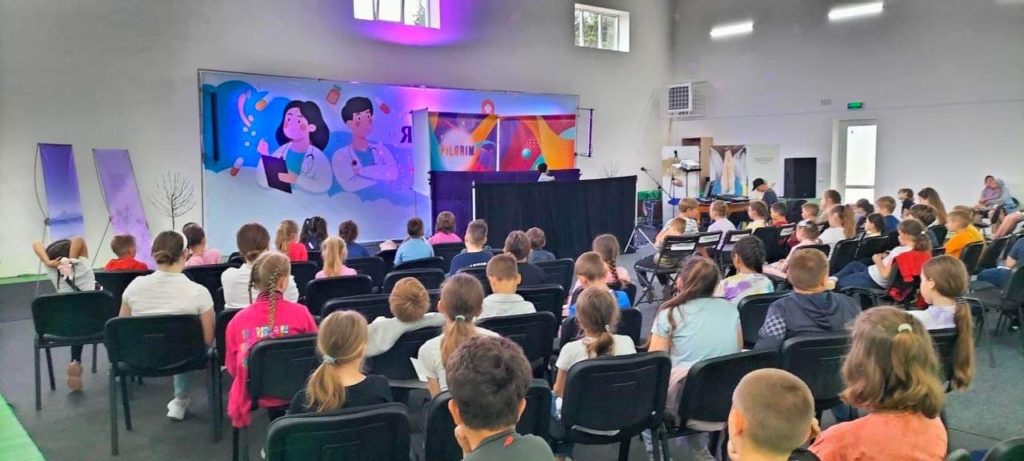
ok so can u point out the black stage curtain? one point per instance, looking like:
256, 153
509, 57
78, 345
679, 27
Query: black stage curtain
571, 213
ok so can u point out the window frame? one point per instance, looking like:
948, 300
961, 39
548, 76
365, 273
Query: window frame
432, 20
620, 17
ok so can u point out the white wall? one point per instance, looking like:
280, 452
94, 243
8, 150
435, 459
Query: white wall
943, 78
121, 73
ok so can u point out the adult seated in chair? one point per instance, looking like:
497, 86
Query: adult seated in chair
488, 379
518, 245
252, 240
772, 416
167, 291
409, 303
811, 308
591, 272
444, 229
415, 246
503, 277
995, 199
998, 276
477, 251
914, 250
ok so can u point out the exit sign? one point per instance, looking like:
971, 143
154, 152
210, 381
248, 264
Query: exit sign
854, 105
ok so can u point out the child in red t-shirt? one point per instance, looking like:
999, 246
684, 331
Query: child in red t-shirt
124, 248
287, 241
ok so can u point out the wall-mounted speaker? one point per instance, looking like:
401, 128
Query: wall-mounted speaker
801, 177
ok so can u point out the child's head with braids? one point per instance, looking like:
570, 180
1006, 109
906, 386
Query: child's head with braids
270, 277
607, 246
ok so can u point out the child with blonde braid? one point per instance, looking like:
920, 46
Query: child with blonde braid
269, 316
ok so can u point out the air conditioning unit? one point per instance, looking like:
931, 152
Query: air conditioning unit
678, 99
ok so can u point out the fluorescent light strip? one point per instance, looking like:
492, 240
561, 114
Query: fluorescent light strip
854, 11
728, 30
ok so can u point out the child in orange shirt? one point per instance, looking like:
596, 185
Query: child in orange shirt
963, 232
124, 248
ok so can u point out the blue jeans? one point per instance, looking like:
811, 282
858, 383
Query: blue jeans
856, 275
181, 384
997, 277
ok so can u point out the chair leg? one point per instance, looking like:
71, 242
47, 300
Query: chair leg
234, 444
656, 446
49, 367
663, 436
124, 401
39, 385
988, 339
214, 400
94, 358
243, 441
113, 413
624, 450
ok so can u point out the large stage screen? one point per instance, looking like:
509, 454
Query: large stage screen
289, 148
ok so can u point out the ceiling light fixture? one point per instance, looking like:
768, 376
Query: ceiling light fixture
840, 13
728, 30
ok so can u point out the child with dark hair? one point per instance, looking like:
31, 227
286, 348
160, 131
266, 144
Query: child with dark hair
926, 214
503, 277
538, 240
777, 212
201, 255
544, 175
349, 232
861, 210
914, 250
314, 232
444, 229
906, 199
489, 378
301, 137
607, 245
415, 246
517, 244
874, 225
758, 212
252, 240
477, 252
362, 163
748, 257
123, 246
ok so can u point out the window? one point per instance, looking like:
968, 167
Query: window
601, 28
423, 13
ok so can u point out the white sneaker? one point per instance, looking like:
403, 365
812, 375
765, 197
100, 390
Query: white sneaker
176, 408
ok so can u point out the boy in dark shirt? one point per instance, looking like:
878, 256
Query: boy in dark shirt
476, 252
488, 378
518, 244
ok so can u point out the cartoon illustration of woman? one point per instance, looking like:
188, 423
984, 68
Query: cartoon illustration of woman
362, 164
302, 136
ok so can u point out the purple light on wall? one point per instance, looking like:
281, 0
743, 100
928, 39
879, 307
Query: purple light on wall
63, 202
117, 178
454, 15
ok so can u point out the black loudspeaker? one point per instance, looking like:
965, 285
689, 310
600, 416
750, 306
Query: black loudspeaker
801, 176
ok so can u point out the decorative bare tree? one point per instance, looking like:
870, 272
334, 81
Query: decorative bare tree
174, 196
610, 169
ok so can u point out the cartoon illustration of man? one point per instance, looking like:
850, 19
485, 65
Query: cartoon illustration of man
302, 136
362, 164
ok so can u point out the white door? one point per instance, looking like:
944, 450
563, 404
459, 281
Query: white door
856, 148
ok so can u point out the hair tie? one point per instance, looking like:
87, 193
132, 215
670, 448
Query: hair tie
460, 317
607, 328
329, 360
961, 300
905, 327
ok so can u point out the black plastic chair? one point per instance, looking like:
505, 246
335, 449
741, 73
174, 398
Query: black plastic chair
707, 394
68, 319
786, 231
770, 237
371, 433
319, 291
545, 298
1008, 301
674, 248
480, 272
370, 306
596, 393
892, 240
753, 310
970, 255
630, 324
207, 276
156, 346
871, 246
395, 365
561, 271
278, 367
235, 259
315, 257
220, 342
116, 281
940, 233
822, 248
440, 427
535, 333
1007, 450
980, 329
993, 251
373, 266
945, 348
303, 273
430, 278
433, 262
448, 251
389, 259
845, 252
936, 252
817, 360
730, 238
630, 290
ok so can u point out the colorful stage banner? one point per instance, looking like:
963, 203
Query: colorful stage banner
529, 140
284, 147
117, 180
60, 179
463, 142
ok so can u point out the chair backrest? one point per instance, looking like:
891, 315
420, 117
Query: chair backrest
157, 345
817, 361
936, 252
319, 291
709, 239
370, 306
430, 278
630, 324
440, 427
207, 276
753, 310
594, 391
733, 236
448, 251
389, 259
993, 251
844, 253
1009, 245
820, 247
770, 237
372, 266
560, 271
480, 272
1007, 450
395, 364
786, 231
545, 298
218, 300
433, 262
945, 347
303, 273
235, 259
376, 432
1013, 293
535, 333
220, 332
629, 289
678, 247
116, 281
279, 367
707, 395
315, 256
940, 233
71, 317
871, 246
970, 255
892, 240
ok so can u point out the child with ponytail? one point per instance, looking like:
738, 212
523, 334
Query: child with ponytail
607, 245
944, 281
334, 254
462, 299
914, 250
597, 313
269, 316
339, 381
892, 371
253, 240
287, 241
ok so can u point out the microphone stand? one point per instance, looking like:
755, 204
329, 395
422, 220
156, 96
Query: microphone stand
633, 244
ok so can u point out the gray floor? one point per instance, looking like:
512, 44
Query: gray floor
76, 426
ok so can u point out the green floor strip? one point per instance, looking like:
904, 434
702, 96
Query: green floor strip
21, 279
15, 444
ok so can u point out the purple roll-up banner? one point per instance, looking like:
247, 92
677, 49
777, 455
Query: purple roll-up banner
117, 179
63, 203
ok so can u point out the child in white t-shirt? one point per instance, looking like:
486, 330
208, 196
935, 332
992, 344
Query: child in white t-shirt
597, 313
253, 240
409, 303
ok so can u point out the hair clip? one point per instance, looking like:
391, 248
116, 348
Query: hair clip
608, 328
905, 327
460, 317
329, 360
